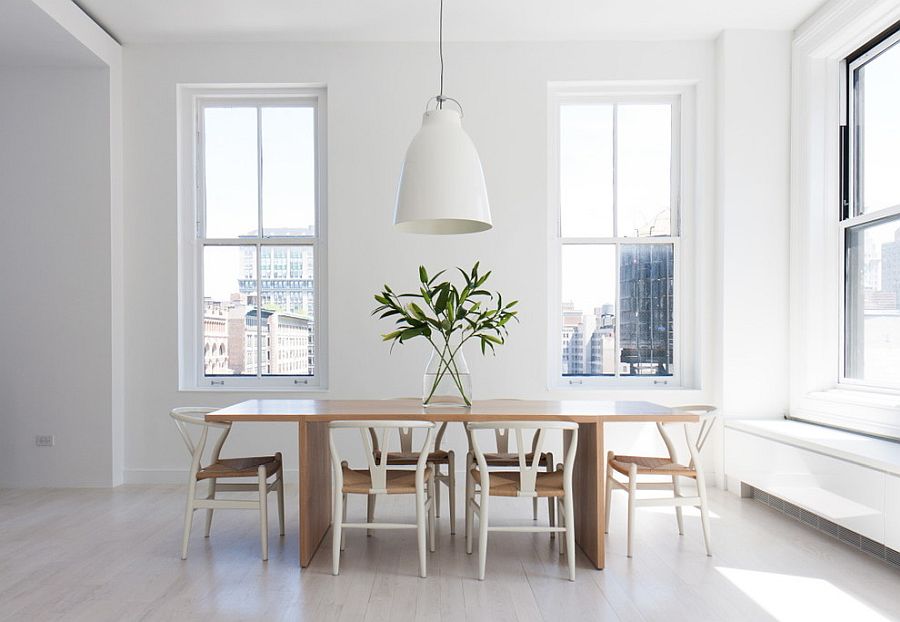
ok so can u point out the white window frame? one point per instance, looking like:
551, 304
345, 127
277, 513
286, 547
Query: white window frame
853, 219
191, 98
818, 109
682, 98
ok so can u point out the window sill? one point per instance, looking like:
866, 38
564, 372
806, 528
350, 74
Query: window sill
869, 412
193, 388
859, 397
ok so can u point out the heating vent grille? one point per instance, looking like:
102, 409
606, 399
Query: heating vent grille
834, 530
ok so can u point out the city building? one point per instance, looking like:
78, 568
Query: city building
646, 279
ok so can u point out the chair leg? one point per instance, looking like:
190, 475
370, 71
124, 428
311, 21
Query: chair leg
420, 529
433, 493
437, 500
570, 535
609, 489
470, 496
451, 487
482, 534
263, 513
209, 512
188, 517
344, 518
280, 490
632, 493
679, 516
561, 518
370, 512
337, 531
704, 512
551, 506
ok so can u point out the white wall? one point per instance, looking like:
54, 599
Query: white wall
55, 372
376, 95
752, 195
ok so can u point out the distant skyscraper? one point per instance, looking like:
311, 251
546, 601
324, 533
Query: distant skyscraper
646, 278
890, 267
285, 280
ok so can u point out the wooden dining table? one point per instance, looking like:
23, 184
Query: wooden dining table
314, 415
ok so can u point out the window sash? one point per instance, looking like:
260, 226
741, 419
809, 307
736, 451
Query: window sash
193, 100
852, 168
587, 97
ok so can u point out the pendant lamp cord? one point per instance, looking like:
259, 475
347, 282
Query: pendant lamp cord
441, 52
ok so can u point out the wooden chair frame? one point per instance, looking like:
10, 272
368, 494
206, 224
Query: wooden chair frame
527, 480
372, 433
448, 479
190, 416
694, 470
501, 439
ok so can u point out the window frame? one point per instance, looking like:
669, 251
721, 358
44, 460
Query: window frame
850, 216
191, 100
681, 98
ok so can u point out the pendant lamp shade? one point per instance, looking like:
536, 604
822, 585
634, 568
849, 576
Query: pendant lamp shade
442, 188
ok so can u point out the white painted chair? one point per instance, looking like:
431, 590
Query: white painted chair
437, 457
260, 467
378, 479
633, 467
502, 457
527, 481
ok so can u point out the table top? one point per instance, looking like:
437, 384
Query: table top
582, 411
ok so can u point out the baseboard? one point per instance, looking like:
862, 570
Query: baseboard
179, 476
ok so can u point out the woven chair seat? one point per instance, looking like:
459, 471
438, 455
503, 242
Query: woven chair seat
507, 483
512, 459
650, 466
359, 481
240, 467
406, 458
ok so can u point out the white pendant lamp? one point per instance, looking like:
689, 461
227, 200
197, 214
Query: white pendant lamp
442, 188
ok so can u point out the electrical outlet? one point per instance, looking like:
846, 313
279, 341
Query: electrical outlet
44, 440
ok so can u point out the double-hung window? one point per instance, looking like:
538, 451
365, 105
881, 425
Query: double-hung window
870, 216
617, 188
252, 238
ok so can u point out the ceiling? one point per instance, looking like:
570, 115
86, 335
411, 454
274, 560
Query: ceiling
134, 21
29, 37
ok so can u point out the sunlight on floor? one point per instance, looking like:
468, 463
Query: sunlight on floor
686, 511
790, 598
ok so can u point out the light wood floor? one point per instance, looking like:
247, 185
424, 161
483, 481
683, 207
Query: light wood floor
113, 555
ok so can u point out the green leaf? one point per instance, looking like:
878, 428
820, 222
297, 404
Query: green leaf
409, 333
492, 339
441, 302
423, 275
392, 335
435, 277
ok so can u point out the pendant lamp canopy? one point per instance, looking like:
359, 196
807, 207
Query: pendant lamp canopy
442, 189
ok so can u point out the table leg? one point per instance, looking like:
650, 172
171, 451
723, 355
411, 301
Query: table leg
589, 481
315, 488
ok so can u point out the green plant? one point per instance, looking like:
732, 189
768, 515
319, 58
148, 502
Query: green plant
448, 318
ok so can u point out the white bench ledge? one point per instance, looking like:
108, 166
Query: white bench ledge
880, 454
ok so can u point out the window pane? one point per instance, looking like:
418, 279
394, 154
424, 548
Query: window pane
230, 169
872, 315
586, 170
287, 290
588, 310
877, 112
644, 168
229, 311
646, 279
289, 171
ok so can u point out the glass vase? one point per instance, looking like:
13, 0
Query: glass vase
447, 381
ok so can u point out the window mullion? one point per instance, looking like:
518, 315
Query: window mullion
259, 208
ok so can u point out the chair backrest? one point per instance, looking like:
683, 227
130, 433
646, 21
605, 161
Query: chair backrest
695, 442
527, 472
406, 438
193, 417
375, 434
